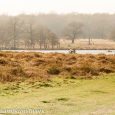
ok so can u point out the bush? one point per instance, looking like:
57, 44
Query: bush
53, 70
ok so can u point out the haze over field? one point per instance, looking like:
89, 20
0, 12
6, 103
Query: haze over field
36, 24
15, 7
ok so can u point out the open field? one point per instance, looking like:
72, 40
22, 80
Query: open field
79, 44
62, 96
62, 84
83, 44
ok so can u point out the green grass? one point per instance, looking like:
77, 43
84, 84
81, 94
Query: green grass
62, 96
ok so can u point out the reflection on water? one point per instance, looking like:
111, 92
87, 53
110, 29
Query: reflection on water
67, 51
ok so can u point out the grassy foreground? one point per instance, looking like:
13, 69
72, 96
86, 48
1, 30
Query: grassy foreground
62, 84
62, 96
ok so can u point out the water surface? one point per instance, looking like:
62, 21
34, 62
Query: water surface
66, 51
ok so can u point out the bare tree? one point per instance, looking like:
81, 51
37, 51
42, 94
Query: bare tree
1, 38
4, 39
30, 33
54, 40
15, 29
39, 34
42, 35
73, 30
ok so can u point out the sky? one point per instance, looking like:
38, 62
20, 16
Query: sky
15, 7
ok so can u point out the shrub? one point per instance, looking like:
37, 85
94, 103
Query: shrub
53, 70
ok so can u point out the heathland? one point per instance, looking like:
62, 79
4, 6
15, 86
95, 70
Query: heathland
18, 66
80, 84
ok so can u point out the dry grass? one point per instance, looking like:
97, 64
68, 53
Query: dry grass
83, 44
18, 66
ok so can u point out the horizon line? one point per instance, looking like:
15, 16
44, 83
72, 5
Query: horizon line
53, 12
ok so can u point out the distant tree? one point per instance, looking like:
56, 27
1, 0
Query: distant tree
97, 26
46, 34
15, 29
2, 32
41, 35
4, 37
73, 30
54, 40
112, 34
30, 34
1, 38
45, 37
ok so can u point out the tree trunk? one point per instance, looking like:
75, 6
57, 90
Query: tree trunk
57, 46
14, 37
72, 40
48, 45
2, 45
89, 41
33, 45
14, 43
52, 45
28, 43
44, 45
31, 35
40, 44
83, 36
25, 45
31, 41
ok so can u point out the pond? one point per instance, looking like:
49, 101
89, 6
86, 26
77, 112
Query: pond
67, 51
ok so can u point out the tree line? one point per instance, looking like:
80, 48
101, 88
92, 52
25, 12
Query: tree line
16, 33
44, 30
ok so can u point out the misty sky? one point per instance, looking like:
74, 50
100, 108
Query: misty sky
14, 7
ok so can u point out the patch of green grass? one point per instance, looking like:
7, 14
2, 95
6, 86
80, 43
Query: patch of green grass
45, 85
63, 97
98, 91
45, 101
72, 77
